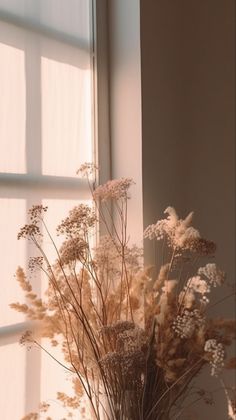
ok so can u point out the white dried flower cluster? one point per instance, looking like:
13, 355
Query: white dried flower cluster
177, 231
187, 298
87, 169
195, 286
198, 285
214, 275
114, 189
186, 324
217, 355
156, 231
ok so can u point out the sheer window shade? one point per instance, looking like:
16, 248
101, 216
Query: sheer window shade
46, 132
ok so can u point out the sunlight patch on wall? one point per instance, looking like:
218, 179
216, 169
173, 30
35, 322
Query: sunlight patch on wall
13, 365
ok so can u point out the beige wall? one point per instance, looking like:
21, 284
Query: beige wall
188, 115
188, 120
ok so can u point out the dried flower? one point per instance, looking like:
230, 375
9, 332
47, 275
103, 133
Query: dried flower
29, 231
198, 285
213, 274
126, 334
87, 169
27, 339
73, 249
81, 218
35, 263
31, 416
43, 407
217, 354
36, 212
185, 325
178, 231
115, 189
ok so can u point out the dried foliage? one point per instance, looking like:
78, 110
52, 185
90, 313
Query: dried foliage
133, 342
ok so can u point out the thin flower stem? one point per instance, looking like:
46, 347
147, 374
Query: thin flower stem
54, 358
220, 301
171, 387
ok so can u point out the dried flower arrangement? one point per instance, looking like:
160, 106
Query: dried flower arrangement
132, 341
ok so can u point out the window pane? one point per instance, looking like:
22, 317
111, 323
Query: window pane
13, 252
12, 107
66, 112
67, 16
46, 89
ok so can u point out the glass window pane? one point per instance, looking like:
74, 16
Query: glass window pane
66, 112
67, 16
13, 252
12, 106
46, 91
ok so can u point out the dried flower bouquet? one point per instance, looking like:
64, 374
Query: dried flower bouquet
132, 340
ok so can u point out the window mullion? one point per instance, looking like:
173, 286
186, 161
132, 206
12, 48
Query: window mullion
16, 185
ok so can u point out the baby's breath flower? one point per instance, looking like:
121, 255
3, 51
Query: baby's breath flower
217, 354
157, 231
87, 169
113, 189
185, 324
214, 275
198, 285
187, 298
195, 286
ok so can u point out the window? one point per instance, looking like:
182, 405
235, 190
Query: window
47, 130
